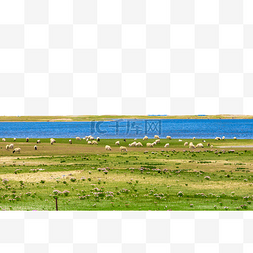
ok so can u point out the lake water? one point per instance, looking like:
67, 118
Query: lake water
176, 128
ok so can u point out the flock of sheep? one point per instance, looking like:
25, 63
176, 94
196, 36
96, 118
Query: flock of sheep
91, 141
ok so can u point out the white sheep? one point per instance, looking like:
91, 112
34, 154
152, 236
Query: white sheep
223, 138
52, 141
145, 138
91, 138
211, 146
38, 141
122, 148
3, 139
107, 147
166, 145
186, 143
117, 143
16, 150
156, 137
149, 144
235, 138
35, 147
98, 139
168, 137
89, 142
191, 145
157, 141
217, 138
179, 140
94, 143
139, 144
7, 147
27, 139
193, 138
78, 138
70, 141
199, 145
11, 146
133, 144
14, 139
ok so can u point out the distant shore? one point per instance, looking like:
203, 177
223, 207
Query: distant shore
113, 117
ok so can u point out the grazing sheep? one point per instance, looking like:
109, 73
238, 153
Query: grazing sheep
235, 138
38, 141
208, 144
179, 140
204, 140
117, 143
35, 147
78, 138
168, 137
27, 139
156, 137
166, 145
139, 144
16, 150
186, 143
94, 143
11, 146
70, 141
89, 142
14, 139
122, 148
199, 145
133, 144
150, 144
52, 141
145, 138
98, 139
193, 138
211, 146
223, 138
217, 138
107, 147
91, 138
157, 141
124, 140
191, 145
7, 147
3, 139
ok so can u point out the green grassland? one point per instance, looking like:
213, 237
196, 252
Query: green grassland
114, 117
87, 177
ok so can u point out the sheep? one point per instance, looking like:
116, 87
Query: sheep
124, 140
156, 137
191, 145
211, 146
133, 144
168, 137
14, 139
27, 139
11, 146
208, 144
217, 138
149, 144
94, 143
98, 139
3, 139
7, 147
186, 144
70, 141
199, 145
122, 148
179, 140
235, 138
117, 143
107, 147
145, 138
154, 143
223, 138
193, 138
38, 141
139, 144
166, 145
89, 142
52, 141
35, 147
157, 141
135, 139
91, 138
78, 138
16, 150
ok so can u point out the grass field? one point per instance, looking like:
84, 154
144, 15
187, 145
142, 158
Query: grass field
113, 117
87, 177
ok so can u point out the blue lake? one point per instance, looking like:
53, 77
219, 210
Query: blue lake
176, 128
